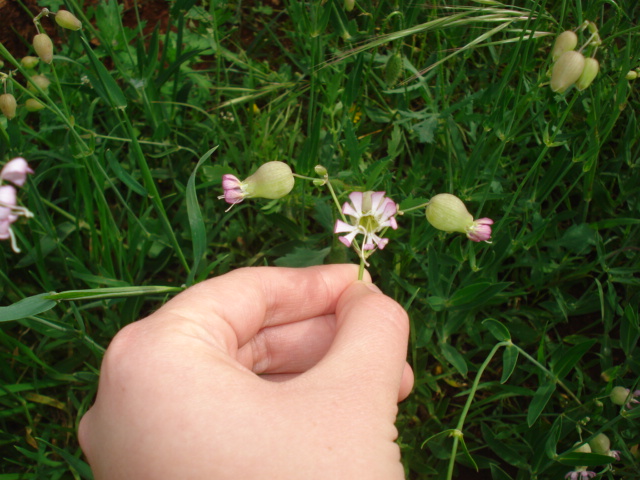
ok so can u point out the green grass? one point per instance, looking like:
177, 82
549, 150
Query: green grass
120, 201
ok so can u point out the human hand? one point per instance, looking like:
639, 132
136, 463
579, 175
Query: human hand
269, 373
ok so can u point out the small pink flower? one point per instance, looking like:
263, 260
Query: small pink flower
9, 213
371, 212
480, 230
615, 454
16, 171
233, 191
580, 474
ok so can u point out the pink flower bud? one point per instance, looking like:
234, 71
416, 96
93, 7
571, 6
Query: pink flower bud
15, 171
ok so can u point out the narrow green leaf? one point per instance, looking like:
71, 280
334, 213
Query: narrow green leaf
577, 459
497, 329
196, 222
106, 86
571, 357
509, 361
498, 474
110, 292
553, 437
629, 331
27, 307
539, 401
123, 175
74, 462
303, 257
455, 358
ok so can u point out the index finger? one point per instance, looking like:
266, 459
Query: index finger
240, 303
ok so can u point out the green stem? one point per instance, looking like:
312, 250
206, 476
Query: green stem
458, 431
410, 209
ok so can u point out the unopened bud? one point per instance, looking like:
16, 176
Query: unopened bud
565, 42
591, 69
43, 46
272, 180
349, 4
33, 105
320, 170
393, 69
29, 61
631, 75
584, 448
39, 80
68, 20
600, 444
8, 105
593, 28
566, 71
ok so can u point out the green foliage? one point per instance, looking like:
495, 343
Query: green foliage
142, 120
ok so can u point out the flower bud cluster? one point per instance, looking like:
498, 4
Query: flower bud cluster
15, 171
570, 66
43, 47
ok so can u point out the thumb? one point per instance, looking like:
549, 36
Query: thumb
369, 350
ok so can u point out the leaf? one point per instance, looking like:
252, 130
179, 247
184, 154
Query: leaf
497, 473
455, 358
476, 294
509, 361
571, 357
303, 257
426, 129
629, 331
497, 329
539, 401
27, 307
196, 222
104, 84
111, 292
123, 175
74, 462
578, 459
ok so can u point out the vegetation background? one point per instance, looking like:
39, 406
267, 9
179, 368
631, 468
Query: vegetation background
515, 344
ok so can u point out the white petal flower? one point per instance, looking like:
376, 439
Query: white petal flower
371, 213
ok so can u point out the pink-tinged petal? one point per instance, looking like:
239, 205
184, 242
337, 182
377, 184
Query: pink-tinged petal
356, 201
383, 243
573, 475
480, 231
348, 209
233, 196
377, 199
342, 227
8, 199
615, 454
484, 221
16, 171
230, 182
348, 239
588, 474
5, 229
392, 223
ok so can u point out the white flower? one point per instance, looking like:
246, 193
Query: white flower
371, 213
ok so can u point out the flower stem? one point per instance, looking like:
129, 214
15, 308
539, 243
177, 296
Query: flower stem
402, 212
361, 269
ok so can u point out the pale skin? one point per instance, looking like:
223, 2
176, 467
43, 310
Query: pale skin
262, 373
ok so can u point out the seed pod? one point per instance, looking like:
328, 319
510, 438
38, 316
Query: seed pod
43, 46
394, 68
272, 180
39, 80
600, 444
591, 69
33, 105
631, 75
619, 395
566, 71
8, 105
29, 61
448, 213
349, 4
68, 20
565, 42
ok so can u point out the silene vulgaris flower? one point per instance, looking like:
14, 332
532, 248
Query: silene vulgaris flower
272, 180
581, 473
14, 171
448, 213
371, 213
